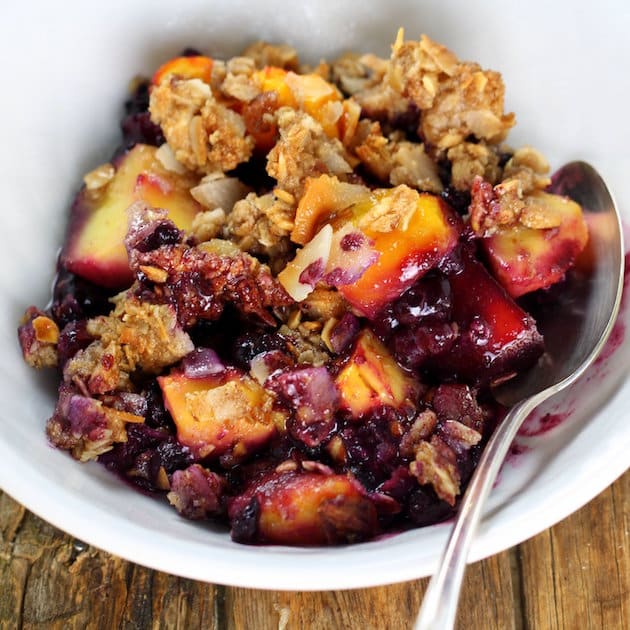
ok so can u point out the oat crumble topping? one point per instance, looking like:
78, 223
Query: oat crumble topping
204, 134
304, 150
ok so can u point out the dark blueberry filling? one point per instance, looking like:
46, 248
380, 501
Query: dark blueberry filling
75, 298
136, 125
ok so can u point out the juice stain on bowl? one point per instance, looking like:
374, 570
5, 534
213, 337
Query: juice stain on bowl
540, 423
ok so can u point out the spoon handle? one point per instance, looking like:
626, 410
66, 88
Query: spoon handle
439, 606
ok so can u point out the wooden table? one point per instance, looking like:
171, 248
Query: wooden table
575, 575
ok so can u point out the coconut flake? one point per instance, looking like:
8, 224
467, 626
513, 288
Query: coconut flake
166, 157
218, 191
301, 275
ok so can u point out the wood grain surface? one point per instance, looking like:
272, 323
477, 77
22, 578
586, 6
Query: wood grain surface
575, 575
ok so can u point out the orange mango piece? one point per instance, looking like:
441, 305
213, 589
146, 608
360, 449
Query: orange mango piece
371, 378
313, 509
194, 67
325, 198
273, 79
95, 247
312, 94
216, 415
524, 259
411, 231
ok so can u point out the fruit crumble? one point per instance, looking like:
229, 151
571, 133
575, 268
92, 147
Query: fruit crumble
284, 302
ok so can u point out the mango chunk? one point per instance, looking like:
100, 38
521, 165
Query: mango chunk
325, 198
371, 378
272, 79
411, 231
94, 247
304, 508
192, 67
313, 95
524, 259
214, 415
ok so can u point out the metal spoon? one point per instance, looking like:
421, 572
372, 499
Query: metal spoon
574, 333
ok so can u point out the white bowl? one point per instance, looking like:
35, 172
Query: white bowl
65, 72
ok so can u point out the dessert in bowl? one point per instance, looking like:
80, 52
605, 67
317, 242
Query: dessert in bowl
291, 447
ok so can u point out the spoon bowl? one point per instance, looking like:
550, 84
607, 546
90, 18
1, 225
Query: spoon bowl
575, 332
586, 303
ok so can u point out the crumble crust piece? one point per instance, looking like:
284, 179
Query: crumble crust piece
395, 161
201, 283
135, 336
205, 135
303, 150
278, 55
261, 224
38, 335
